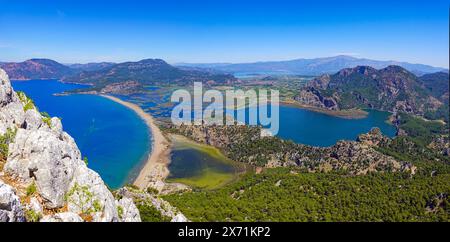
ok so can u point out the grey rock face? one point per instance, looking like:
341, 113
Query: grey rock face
158, 203
35, 206
6, 93
10, 207
179, 218
42, 156
43, 153
62, 217
33, 120
129, 212
84, 176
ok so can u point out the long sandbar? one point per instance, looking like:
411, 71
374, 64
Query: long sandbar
155, 169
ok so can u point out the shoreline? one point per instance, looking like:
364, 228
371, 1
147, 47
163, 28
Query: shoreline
347, 114
155, 170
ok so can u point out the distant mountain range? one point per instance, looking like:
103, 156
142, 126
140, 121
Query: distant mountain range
91, 66
317, 66
149, 71
50, 69
36, 69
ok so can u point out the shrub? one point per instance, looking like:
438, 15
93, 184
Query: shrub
152, 190
31, 189
150, 214
5, 139
81, 197
120, 211
26, 101
32, 216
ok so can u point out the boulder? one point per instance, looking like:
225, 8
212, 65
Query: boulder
10, 208
7, 94
62, 217
33, 120
102, 201
36, 206
179, 218
44, 157
43, 153
129, 212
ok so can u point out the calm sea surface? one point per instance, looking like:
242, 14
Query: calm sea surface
113, 137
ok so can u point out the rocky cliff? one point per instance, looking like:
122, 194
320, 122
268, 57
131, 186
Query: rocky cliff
392, 89
42, 174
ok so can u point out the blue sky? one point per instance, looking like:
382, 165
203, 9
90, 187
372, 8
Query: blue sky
224, 31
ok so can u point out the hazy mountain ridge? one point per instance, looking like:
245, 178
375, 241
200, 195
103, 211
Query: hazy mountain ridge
437, 83
316, 66
148, 72
144, 72
92, 66
36, 69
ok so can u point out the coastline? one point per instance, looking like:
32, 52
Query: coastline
346, 114
155, 170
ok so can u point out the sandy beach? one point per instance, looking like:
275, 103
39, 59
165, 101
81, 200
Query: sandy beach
155, 170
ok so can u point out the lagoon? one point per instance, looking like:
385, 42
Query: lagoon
304, 126
318, 129
200, 166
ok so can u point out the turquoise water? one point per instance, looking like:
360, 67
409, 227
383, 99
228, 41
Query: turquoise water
312, 128
113, 137
318, 129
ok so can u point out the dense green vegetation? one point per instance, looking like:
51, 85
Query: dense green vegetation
441, 113
437, 83
420, 130
5, 139
292, 194
149, 213
279, 195
415, 147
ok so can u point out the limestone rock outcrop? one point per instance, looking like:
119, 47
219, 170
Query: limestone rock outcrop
179, 218
62, 217
42, 155
158, 203
10, 207
128, 211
